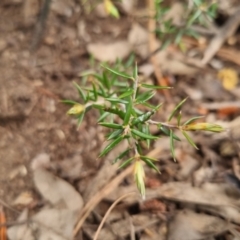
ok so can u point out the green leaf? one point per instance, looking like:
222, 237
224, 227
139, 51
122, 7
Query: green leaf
116, 100
111, 125
80, 119
166, 131
106, 82
135, 72
153, 86
179, 37
70, 102
116, 111
121, 155
97, 106
176, 108
114, 134
145, 129
128, 113
103, 116
172, 144
80, 91
192, 120
189, 139
127, 93
126, 163
110, 146
95, 93
121, 74
179, 119
194, 17
149, 158
141, 98
166, 44
143, 135
150, 164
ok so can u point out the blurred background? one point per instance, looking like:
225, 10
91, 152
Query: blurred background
51, 182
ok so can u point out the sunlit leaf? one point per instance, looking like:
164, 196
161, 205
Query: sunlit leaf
76, 109
211, 127
111, 9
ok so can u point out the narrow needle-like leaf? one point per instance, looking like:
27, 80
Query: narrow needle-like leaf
118, 73
176, 108
111, 145
143, 135
150, 164
172, 144
189, 139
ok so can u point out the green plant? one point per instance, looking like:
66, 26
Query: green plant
198, 14
117, 96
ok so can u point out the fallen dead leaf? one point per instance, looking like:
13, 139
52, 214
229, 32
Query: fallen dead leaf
54, 224
213, 197
57, 191
109, 52
138, 38
24, 199
188, 225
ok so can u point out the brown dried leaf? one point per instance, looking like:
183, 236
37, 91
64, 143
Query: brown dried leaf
109, 52
57, 191
187, 225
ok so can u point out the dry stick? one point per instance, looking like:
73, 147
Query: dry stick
226, 31
99, 196
105, 191
108, 212
40, 25
153, 47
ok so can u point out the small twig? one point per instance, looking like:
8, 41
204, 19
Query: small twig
91, 204
40, 25
163, 124
108, 212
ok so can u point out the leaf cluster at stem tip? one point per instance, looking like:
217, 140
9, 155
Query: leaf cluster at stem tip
120, 99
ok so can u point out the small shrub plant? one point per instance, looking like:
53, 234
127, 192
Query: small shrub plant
118, 97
